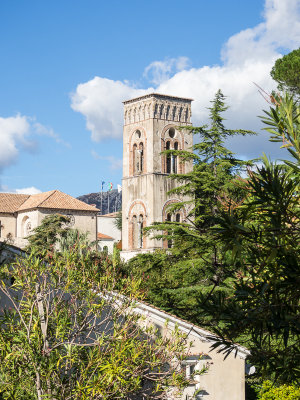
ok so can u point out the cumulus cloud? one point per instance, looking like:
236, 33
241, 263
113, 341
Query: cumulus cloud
159, 71
14, 134
246, 57
28, 190
18, 133
100, 101
114, 163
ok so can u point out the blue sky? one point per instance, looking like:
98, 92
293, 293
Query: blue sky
67, 65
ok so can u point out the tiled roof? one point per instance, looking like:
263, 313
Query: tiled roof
53, 199
103, 236
10, 202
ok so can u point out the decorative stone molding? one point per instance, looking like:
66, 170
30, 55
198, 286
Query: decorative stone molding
169, 108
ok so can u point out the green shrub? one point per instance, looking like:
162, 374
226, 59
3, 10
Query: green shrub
282, 392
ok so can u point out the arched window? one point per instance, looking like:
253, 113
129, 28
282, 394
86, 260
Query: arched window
168, 159
171, 159
170, 243
137, 232
134, 158
140, 232
134, 233
140, 165
174, 159
177, 217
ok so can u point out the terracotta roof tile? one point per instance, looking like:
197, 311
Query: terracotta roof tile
53, 199
58, 199
103, 236
10, 202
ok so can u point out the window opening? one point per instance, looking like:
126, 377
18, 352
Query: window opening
140, 232
168, 159
171, 132
134, 232
134, 159
177, 218
140, 165
174, 159
138, 134
170, 243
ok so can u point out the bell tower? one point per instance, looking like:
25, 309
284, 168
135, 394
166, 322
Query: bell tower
151, 126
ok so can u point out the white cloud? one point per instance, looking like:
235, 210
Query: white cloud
100, 101
18, 134
14, 134
247, 57
28, 190
159, 71
114, 163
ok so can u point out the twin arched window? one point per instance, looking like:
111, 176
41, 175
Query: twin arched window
138, 154
175, 218
137, 231
171, 159
138, 158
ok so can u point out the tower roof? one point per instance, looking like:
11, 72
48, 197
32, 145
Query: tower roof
158, 96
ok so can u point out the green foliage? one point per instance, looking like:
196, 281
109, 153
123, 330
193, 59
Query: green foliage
286, 72
268, 391
72, 239
234, 264
195, 262
174, 283
262, 238
283, 122
45, 236
212, 178
68, 332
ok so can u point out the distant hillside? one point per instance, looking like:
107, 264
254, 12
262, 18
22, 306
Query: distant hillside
112, 197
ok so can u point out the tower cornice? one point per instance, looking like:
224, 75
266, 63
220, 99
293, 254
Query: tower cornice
158, 96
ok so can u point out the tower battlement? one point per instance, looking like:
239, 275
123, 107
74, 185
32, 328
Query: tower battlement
159, 106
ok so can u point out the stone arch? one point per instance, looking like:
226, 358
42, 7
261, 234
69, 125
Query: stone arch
167, 204
26, 226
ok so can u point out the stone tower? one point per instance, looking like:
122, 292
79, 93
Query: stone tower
151, 126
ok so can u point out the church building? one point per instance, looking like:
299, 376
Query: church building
151, 125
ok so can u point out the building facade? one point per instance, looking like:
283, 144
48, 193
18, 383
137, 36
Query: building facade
20, 214
152, 124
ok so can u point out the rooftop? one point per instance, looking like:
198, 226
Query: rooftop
54, 199
158, 96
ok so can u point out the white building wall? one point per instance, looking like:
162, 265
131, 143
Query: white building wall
107, 226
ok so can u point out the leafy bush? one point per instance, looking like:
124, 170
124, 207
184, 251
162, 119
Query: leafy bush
282, 392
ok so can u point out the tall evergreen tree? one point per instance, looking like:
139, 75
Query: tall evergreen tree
261, 239
195, 262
